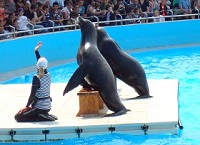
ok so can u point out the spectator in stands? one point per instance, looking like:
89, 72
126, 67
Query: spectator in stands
153, 5
169, 4
91, 13
39, 15
118, 15
11, 20
138, 15
81, 9
135, 4
111, 3
185, 7
19, 4
11, 17
39, 11
3, 32
2, 11
30, 14
174, 5
46, 19
10, 29
158, 17
71, 21
145, 7
33, 1
97, 10
27, 6
60, 3
93, 3
109, 16
127, 4
9, 6
196, 7
130, 15
66, 11
164, 9
86, 3
23, 23
76, 8
44, 2
56, 16
121, 8
74, 15
104, 3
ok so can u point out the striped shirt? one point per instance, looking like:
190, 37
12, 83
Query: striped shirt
44, 92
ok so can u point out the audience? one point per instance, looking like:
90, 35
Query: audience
55, 13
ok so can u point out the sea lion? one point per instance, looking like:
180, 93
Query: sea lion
95, 70
124, 67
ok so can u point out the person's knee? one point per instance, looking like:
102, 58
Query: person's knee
17, 117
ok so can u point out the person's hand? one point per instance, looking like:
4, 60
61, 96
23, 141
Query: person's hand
60, 21
24, 109
104, 12
38, 46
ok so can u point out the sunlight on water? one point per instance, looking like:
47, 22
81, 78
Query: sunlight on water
182, 64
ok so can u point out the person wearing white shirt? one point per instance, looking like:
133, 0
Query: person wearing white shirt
22, 23
158, 17
67, 9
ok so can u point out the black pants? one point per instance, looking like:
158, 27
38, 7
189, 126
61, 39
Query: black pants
30, 115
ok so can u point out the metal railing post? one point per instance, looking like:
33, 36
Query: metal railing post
32, 27
52, 24
120, 18
172, 14
75, 22
146, 16
96, 18
197, 11
13, 28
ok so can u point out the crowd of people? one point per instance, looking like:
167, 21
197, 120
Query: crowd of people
25, 15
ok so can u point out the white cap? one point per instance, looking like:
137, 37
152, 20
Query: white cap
42, 63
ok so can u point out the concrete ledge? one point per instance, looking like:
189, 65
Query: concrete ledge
148, 116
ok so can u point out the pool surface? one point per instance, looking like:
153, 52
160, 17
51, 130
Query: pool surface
174, 63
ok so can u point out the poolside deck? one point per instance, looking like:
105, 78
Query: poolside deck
148, 116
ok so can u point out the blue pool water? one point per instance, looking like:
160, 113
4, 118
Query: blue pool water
177, 63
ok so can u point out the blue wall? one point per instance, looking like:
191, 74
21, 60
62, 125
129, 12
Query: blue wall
18, 53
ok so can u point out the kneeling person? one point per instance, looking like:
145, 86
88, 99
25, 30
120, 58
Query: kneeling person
39, 102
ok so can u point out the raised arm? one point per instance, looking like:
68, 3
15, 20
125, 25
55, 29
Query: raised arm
37, 54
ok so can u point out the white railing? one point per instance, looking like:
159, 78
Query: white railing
14, 33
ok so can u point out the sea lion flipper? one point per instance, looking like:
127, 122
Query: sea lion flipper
75, 80
139, 97
117, 113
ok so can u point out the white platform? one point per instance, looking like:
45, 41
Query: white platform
148, 116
